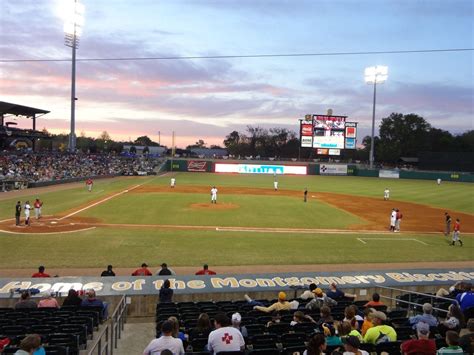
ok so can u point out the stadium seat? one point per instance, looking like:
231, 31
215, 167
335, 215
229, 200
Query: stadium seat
279, 328
77, 329
293, 339
199, 344
266, 351
27, 322
13, 330
397, 313
56, 350
71, 341
391, 347
293, 350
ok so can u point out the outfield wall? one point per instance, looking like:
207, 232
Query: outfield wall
294, 168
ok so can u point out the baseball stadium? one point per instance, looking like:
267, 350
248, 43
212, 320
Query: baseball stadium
231, 177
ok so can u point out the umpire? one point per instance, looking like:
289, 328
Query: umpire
17, 213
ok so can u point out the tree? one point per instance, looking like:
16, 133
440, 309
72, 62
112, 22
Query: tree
105, 136
199, 144
145, 140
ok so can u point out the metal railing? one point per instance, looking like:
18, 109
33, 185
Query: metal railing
108, 336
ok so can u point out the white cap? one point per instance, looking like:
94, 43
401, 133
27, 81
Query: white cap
236, 317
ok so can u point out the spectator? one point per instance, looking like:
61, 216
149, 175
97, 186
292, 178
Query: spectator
236, 323
92, 301
319, 300
176, 333
466, 341
165, 271
421, 346
452, 339
350, 314
40, 273
332, 338
203, 327
166, 293
281, 305
380, 332
316, 345
325, 316
367, 323
426, 317
346, 328
454, 319
48, 302
309, 294
466, 299
205, 271
337, 294
375, 301
165, 342
143, 271
352, 345
72, 299
108, 272
225, 337
29, 345
25, 301
299, 317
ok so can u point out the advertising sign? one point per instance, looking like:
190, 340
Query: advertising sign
333, 169
334, 152
328, 131
389, 174
350, 143
260, 169
306, 129
322, 151
197, 166
306, 142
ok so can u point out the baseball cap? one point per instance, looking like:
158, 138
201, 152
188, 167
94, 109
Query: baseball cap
144, 265
236, 317
318, 292
282, 296
423, 328
427, 308
352, 341
164, 265
378, 314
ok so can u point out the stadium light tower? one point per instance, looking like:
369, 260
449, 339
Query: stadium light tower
375, 75
73, 22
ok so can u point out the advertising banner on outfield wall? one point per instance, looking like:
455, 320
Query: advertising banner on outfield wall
389, 174
197, 166
115, 286
260, 169
333, 169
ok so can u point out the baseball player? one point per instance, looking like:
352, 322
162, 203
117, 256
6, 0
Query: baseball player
27, 209
305, 194
89, 184
457, 229
398, 220
438, 181
213, 195
275, 183
393, 220
173, 182
447, 224
386, 194
17, 213
37, 205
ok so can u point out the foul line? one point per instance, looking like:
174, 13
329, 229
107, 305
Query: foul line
41, 233
362, 240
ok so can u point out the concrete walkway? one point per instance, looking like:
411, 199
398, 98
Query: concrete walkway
135, 337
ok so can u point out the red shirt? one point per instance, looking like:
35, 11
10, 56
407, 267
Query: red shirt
457, 227
205, 272
40, 274
89, 182
143, 271
419, 347
38, 204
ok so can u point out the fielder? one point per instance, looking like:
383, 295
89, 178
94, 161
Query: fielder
37, 205
275, 184
438, 181
457, 229
89, 184
173, 182
393, 220
213, 195
386, 194
27, 209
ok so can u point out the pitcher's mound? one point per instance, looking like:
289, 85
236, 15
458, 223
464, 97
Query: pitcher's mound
217, 206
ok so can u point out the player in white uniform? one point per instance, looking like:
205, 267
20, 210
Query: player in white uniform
438, 181
27, 213
275, 185
393, 220
386, 194
173, 182
213, 195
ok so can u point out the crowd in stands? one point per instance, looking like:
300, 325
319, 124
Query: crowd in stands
51, 166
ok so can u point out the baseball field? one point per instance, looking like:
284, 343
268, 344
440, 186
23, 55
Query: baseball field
129, 220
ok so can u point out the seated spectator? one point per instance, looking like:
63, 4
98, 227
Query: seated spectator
423, 345
166, 293
30, 345
92, 301
350, 315
426, 317
380, 332
205, 271
276, 319
346, 328
337, 294
299, 317
457, 288
319, 300
108, 272
316, 345
367, 323
143, 271
165, 342
165, 271
466, 341
352, 345
225, 337
466, 299
281, 305
40, 273
452, 339
454, 320
375, 301
332, 338
309, 294
203, 327
325, 316
176, 333
25, 301
236, 323
48, 302
72, 299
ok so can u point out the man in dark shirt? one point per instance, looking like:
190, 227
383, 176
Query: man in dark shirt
447, 224
164, 270
305, 195
466, 342
337, 294
17, 213
108, 272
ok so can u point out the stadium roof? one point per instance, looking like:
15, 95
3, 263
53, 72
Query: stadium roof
19, 110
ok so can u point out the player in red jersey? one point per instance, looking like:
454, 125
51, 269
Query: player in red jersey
456, 231
89, 184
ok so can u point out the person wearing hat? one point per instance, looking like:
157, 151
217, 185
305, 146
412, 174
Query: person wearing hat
165, 342
352, 345
380, 332
165, 271
308, 294
426, 317
421, 346
319, 300
225, 337
142, 271
236, 323
281, 305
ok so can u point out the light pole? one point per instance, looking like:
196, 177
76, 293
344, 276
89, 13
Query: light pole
74, 20
374, 75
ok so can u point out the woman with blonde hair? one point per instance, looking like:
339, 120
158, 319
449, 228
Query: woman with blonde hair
175, 332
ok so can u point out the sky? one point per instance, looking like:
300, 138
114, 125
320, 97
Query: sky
209, 98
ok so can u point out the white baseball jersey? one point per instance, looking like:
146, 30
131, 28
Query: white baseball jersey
225, 339
173, 181
27, 210
386, 193
213, 193
275, 185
